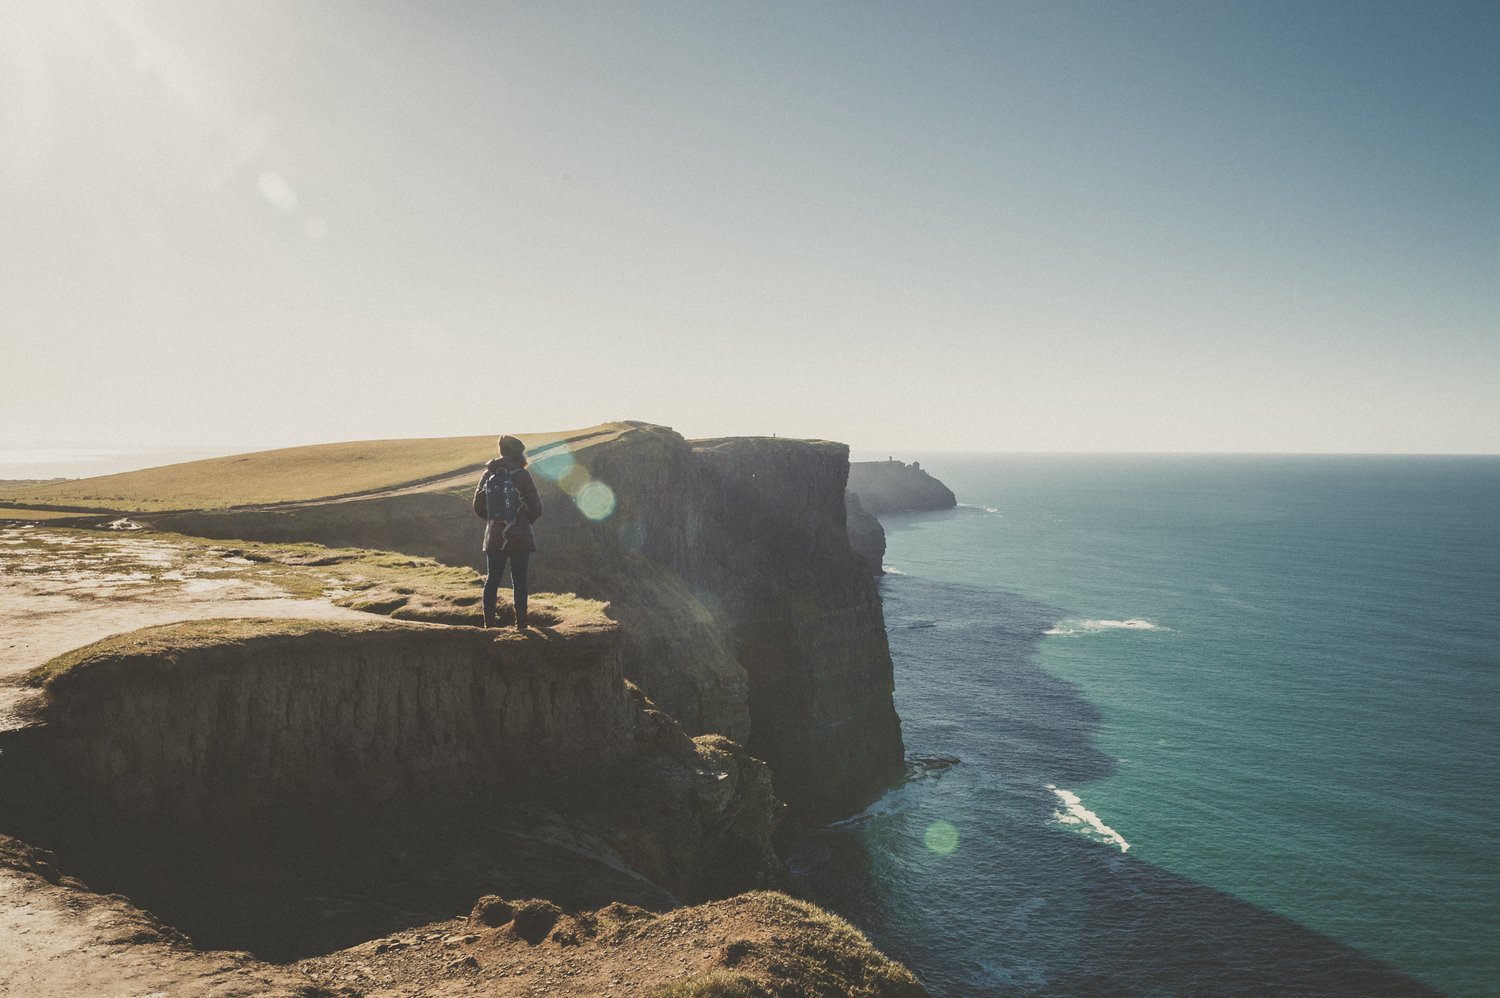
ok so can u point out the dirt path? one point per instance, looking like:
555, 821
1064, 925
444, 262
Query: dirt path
62, 589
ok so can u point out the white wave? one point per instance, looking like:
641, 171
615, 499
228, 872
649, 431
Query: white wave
975, 506
1087, 821
1098, 626
888, 570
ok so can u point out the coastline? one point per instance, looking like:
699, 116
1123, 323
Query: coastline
281, 723
1064, 550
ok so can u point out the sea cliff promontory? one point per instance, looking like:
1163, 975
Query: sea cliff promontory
325, 786
743, 609
891, 486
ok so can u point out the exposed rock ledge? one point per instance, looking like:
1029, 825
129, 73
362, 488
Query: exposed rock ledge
184, 751
247, 729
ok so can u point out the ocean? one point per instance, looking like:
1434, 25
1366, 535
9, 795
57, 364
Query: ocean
1196, 725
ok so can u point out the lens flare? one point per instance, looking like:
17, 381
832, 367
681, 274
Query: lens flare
574, 480
555, 463
941, 838
596, 500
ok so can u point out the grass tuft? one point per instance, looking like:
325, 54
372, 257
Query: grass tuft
715, 984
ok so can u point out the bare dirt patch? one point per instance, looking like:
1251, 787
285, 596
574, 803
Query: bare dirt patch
62, 589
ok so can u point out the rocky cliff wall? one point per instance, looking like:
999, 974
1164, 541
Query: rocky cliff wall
894, 487
253, 729
770, 542
743, 610
866, 535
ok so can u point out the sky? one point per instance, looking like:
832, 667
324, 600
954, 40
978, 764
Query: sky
1000, 226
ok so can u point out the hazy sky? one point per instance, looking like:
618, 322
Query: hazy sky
994, 226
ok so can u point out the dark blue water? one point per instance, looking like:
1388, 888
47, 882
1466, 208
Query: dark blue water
1225, 725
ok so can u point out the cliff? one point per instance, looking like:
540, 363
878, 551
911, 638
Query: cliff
866, 535
727, 563
317, 792
894, 487
238, 732
325, 793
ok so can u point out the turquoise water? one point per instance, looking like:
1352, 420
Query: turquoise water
1223, 725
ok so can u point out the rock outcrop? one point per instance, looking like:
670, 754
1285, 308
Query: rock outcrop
757, 944
245, 731
894, 487
743, 609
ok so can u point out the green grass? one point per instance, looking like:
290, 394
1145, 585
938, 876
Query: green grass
295, 474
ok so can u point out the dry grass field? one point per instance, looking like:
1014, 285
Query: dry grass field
295, 474
32, 515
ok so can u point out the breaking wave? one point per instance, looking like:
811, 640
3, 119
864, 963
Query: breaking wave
1086, 821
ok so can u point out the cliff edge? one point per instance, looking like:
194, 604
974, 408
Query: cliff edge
219, 735
321, 792
743, 609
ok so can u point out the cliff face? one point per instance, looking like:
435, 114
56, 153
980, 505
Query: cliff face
893, 487
743, 610
866, 535
249, 729
770, 542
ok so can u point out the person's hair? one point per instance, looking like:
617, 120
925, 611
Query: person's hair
512, 448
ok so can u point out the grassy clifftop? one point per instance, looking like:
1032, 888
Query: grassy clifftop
294, 474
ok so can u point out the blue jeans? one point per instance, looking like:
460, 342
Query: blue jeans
495, 563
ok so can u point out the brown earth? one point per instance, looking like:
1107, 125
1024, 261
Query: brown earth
767, 943
61, 940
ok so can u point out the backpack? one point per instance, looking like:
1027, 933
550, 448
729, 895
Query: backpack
502, 500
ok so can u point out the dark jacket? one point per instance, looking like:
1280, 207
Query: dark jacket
521, 536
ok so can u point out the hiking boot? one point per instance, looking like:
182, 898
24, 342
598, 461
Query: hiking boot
489, 618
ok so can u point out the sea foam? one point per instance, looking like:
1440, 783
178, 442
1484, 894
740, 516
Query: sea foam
1065, 627
1087, 821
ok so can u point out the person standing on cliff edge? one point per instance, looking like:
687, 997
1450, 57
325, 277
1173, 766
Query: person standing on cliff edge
507, 500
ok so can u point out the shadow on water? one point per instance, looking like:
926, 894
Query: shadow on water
967, 874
